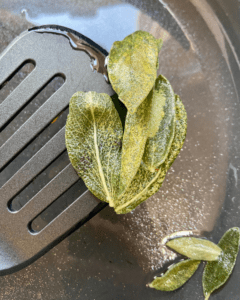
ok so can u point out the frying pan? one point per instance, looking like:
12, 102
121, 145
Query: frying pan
113, 257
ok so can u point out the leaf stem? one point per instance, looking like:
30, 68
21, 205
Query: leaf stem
99, 162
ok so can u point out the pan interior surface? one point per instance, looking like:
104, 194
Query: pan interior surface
116, 256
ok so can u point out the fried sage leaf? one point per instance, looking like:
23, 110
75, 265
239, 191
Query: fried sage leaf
134, 140
132, 67
176, 276
93, 139
217, 272
195, 248
162, 124
146, 183
155, 117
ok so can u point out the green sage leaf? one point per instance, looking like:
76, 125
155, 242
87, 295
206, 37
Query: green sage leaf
134, 140
195, 248
155, 118
146, 183
176, 276
93, 139
162, 124
217, 272
132, 67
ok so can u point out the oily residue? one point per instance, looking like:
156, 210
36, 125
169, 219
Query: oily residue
97, 57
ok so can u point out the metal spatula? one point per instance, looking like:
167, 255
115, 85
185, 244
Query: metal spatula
54, 50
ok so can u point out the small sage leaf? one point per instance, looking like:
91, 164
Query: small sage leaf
217, 272
132, 67
162, 124
146, 183
93, 139
176, 276
195, 248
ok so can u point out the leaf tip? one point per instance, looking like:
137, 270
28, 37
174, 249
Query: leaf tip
149, 285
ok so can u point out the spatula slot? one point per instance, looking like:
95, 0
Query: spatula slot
38, 182
31, 105
28, 110
57, 207
16, 78
33, 147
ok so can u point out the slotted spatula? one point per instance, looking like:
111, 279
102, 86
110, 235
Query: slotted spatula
54, 50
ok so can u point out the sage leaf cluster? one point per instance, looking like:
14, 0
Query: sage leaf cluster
125, 166
220, 260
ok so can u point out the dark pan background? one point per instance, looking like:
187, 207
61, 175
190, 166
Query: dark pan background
114, 256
